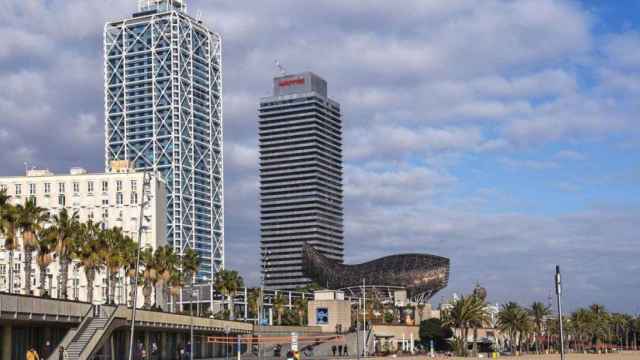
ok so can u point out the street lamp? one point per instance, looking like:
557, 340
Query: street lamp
226, 342
144, 200
193, 293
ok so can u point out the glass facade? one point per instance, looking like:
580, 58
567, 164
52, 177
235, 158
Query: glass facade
163, 109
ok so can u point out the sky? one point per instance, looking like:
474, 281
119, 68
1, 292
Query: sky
500, 134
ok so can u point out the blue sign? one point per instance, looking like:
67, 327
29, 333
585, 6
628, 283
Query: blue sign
322, 316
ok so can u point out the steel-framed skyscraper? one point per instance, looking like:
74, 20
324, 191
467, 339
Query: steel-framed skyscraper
300, 177
163, 112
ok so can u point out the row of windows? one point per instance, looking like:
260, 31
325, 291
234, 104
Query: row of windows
105, 202
76, 187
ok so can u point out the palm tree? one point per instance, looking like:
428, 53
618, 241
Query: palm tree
599, 323
166, 265
539, 312
514, 320
254, 301
176, 283
87, 249
149, 275
65, 226
227, 282
581, 322
8, 228
279, 306
300, 305
30, 221
44, 256
114, 254
130, 266
189, 263
465, 313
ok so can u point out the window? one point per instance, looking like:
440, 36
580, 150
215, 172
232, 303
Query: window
76, 187
18, 189
119, 185
90, 186
105, 186
61, 187
134, 198
90, 216
32, 189
105, 202
119, 198
3, 187
61, 200
105, 213
134, 185
47, 188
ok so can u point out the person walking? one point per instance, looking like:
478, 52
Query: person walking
47, 350
32, 354
62, 354
345, 351
333, 350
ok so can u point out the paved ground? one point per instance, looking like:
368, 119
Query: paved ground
631, 355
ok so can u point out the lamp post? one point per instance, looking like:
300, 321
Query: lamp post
226, 342
146, 182
558, 296
193, 294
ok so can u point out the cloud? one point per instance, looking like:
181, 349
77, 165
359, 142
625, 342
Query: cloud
430, 91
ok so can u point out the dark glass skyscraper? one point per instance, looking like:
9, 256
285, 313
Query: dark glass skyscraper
163, 112
300, 177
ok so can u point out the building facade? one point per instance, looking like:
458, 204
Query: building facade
300, 131
163, 112
111, 199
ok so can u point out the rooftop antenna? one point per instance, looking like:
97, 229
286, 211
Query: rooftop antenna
281, 68
199, 15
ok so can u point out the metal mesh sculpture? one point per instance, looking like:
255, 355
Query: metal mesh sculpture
422, 275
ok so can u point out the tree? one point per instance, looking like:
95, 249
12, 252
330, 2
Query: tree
434, 330
30, 221
87, 249
65, 226
254, 302
115, 246
166, 265
44, 256
514, 320
227, 282
8, 229
129, 261
149, 275
279, 306
464, 314
300, 305
539, 312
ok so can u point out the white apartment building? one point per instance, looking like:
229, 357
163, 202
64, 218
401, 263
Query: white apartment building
112, 199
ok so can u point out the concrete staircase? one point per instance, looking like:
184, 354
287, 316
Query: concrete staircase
83, 338
78, 341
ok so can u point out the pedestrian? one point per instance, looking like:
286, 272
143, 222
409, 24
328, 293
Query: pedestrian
32, 354
345, 351
47, 350
333, 350
154, 351
63, 354
340, 350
